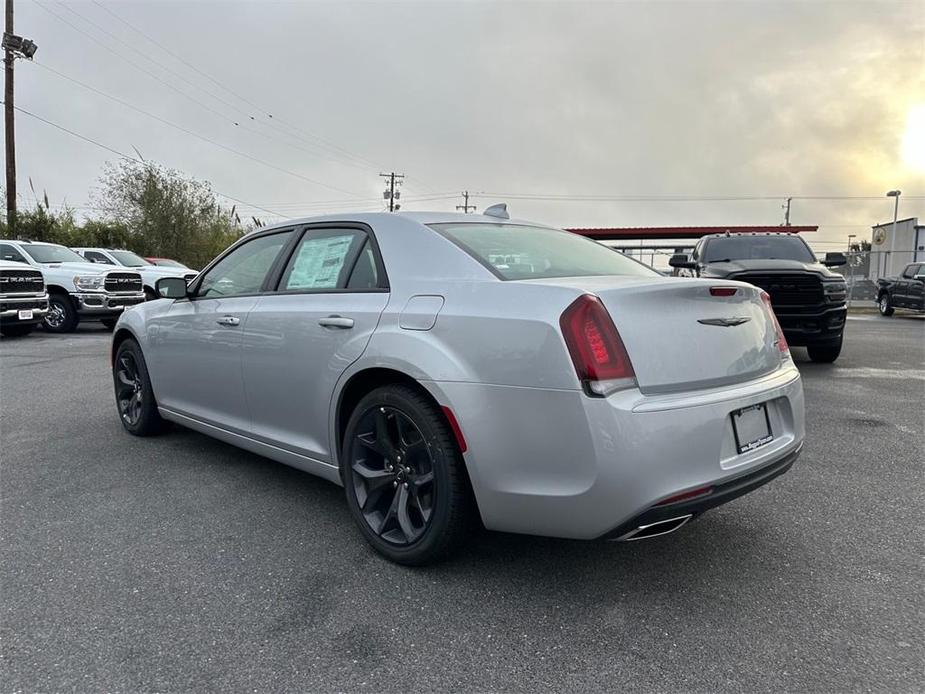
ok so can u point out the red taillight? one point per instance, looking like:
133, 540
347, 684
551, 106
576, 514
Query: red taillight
723, 291
781, 340
594, 344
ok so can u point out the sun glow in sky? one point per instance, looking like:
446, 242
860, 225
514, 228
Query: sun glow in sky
913, 147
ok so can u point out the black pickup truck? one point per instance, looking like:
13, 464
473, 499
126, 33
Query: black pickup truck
808, 298
906, 291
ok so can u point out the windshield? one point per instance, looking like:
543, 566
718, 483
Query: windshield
52, 254
728, 248
129, 259
519, 252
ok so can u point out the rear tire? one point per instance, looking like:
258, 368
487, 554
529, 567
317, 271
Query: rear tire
134, 395
62, 314
16, 330
884, 305
404, 477
825, 352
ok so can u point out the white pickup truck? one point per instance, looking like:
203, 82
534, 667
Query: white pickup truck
77, 290
150, 273
23, 300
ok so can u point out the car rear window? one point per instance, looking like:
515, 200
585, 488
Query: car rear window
522, 252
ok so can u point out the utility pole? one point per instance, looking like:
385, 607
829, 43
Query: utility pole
8, 58
465, 207
787, 212
391, 192
13, 47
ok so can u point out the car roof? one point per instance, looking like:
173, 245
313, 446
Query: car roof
423, 218
25, 242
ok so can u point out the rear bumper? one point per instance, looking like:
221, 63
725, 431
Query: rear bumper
825, 325
90, 304
562, 464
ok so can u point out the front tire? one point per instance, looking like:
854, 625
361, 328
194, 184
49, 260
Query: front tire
825, 352
134, 395
62, 314
884, 305
16, 330
109, 323
404, 477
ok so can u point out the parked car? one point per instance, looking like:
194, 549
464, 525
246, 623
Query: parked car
167, 262
77, 290
445, 368
906, 291
809, 299
150, 273
23, 299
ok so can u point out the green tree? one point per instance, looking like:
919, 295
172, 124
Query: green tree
161, 212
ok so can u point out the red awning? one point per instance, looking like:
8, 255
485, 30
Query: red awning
636, 233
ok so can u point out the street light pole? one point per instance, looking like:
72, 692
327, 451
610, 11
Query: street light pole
889, 259
9, 126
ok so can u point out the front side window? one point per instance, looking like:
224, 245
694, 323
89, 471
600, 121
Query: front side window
321, 260
244, 269
95, 257
729, 248
911, 271
129, 259
7, 252
52, 254
520, 252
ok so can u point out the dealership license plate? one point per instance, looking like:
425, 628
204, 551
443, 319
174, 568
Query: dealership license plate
752, 427
25, 315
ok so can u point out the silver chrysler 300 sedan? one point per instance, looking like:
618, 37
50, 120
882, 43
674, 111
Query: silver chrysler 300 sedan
450, 369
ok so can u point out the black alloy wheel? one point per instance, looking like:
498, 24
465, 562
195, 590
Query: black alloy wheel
134, 396
393, 475
403, 473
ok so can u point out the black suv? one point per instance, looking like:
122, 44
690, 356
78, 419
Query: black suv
808, 298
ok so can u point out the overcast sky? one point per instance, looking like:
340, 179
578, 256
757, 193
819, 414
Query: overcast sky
671, 99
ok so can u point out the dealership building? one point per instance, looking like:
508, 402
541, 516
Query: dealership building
890, 252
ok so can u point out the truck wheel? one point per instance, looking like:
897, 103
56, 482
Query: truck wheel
16, 330
150, 294
62, 316
109, 323
134, 395
883, 303
404, 477
825, 352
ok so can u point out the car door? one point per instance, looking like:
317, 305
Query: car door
300, 339
195, 353
915, 289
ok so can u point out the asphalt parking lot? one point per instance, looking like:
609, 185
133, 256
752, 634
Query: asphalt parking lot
179, 563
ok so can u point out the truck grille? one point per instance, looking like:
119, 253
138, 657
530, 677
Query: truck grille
791, 293
123, 282
21, 282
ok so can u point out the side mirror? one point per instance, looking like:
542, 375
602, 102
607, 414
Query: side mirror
681, 260
834, 259
171, 288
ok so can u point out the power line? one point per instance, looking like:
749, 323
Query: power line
676, 198
194, 134
128, 156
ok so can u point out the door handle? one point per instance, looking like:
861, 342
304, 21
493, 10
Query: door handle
336, 322
228, 320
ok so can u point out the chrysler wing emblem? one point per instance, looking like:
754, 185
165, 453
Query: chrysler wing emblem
725, 322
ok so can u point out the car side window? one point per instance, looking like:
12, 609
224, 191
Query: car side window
244, 270
96, 257
321, 260
7, 252
365, 274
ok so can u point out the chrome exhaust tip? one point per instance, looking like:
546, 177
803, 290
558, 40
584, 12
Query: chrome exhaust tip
662, 527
